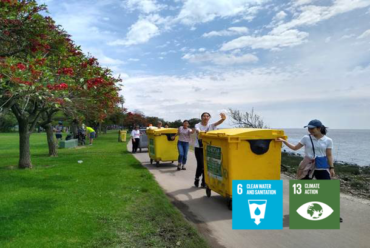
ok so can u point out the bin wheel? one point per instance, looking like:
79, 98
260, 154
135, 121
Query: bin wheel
208, 192
151, 161
172, 162
230, 204
157, 163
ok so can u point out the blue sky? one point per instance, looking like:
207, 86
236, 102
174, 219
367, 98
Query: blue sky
292, 61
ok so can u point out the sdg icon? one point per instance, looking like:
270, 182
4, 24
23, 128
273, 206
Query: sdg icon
257, 209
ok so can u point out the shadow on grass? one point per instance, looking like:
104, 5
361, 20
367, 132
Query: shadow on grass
24, 211
45, 183
41, 155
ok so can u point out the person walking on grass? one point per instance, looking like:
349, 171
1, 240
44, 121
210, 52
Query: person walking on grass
135, 136
203, 126
58, 131
184, 133
91, 134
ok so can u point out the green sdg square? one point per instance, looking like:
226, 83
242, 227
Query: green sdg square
314, 204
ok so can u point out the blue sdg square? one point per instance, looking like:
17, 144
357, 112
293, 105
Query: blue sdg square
258, 204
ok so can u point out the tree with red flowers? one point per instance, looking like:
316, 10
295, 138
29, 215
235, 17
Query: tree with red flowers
42, 71
135, 118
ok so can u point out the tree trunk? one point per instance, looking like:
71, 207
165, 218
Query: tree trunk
53, 152
24, 145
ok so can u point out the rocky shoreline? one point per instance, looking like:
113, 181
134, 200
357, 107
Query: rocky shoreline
354, 179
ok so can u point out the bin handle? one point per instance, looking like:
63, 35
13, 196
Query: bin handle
260, 147
169, 136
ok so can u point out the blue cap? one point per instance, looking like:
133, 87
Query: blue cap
313, 124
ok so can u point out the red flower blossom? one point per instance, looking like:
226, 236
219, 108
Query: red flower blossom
66, 71
27, 83
95, 82
21, 67
61, 86
91, 61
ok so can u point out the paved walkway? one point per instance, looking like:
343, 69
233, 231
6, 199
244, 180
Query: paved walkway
213, 218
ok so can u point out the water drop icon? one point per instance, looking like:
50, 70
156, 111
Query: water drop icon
257, 211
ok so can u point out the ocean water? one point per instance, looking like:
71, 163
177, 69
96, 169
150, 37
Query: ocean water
350, 145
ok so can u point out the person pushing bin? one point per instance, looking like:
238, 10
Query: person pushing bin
240, 154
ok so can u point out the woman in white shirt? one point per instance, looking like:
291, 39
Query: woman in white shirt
198, 146
135, 136
318, 152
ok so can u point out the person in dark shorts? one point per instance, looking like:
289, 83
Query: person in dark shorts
58, 131
90, 134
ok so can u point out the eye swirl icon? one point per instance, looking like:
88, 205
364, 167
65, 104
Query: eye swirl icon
315, 211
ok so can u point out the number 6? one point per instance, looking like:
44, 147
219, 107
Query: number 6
240, 189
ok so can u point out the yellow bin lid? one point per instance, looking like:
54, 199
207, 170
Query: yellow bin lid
161, 131
237, 134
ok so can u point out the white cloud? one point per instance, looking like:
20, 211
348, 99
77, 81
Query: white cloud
145, 6
105, 60
301, 2
110, 61
359, 70
133, 60
288, 38
80, 21
269, 90
201, 49
327, 40
312, 14
281, 15
228, 32
364, 34
164, 45
347, 36
196, 11
220, 58
141, 32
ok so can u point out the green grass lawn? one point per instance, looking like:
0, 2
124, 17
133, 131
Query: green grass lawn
109, 200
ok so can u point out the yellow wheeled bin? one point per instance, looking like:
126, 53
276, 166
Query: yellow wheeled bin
122, 135
240, 154
161, 146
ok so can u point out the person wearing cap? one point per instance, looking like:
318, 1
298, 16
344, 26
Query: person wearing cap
203, 126
318, 161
